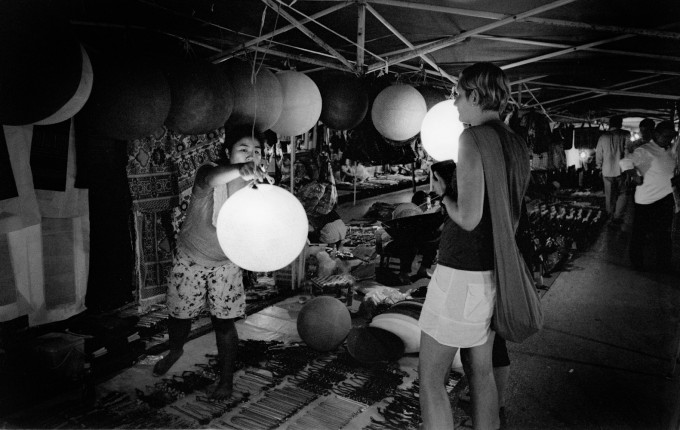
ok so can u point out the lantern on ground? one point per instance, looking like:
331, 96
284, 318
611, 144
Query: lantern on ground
258, 97
398, 112
301, 104
262, 228
441, 130
323, 323
202, 98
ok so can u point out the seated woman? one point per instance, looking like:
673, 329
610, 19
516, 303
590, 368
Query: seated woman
329, 229
406, 247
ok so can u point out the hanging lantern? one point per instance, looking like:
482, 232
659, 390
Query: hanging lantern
262, 228
258, 100
78, 100
398, 112
344, 101
130, 99
441, 130
41, 63
301, 104
202, 98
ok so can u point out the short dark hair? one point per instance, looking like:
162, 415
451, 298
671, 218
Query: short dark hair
665, 126
647, 123
419, 197
616, 121
238, 132
491, 84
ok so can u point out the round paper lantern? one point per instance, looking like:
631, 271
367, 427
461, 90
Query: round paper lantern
402, 320
262, 228
78, 100
398, 112
258, 100
344, 101
41, 64
323, 323
440, 131
432, 95
301, 104
202, 98
374, 345
130, 99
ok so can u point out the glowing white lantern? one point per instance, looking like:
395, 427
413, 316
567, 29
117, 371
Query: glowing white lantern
262, 229
441, 130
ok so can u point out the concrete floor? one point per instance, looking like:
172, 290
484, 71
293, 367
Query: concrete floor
606, 359
608, 355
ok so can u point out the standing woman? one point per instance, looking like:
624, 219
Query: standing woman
462, 293
202, 275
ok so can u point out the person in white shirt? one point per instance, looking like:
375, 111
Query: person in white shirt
654, 203
611, 147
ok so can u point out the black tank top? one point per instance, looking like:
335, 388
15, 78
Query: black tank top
468, 250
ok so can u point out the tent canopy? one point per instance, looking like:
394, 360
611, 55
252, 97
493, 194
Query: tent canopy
575, 60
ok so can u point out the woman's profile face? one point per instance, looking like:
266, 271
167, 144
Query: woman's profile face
244, 150
462, 102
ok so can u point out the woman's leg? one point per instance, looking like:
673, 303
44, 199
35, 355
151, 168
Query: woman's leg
226, 338
483, 392
433, 369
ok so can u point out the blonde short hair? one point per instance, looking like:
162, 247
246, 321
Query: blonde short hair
491, 84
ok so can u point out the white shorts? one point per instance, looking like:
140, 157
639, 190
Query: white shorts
459, 306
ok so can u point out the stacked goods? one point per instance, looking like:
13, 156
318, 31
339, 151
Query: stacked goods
558, 229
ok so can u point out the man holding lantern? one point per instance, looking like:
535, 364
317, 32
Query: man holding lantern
202, 274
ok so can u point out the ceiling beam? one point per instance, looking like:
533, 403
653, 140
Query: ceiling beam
612, 87
464, 35
627, 88
658, 72
229, 53
406, 42
532, 19
574, 48
564, 51
523, 80
361, 35
537, 102
612, 92
307, 32
562, 45
296, 57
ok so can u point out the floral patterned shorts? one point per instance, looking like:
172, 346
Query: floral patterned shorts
192, 286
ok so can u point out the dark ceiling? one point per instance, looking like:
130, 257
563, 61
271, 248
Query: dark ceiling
572, 59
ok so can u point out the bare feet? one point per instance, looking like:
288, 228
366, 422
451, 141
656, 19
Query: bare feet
166, 363
225, 391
